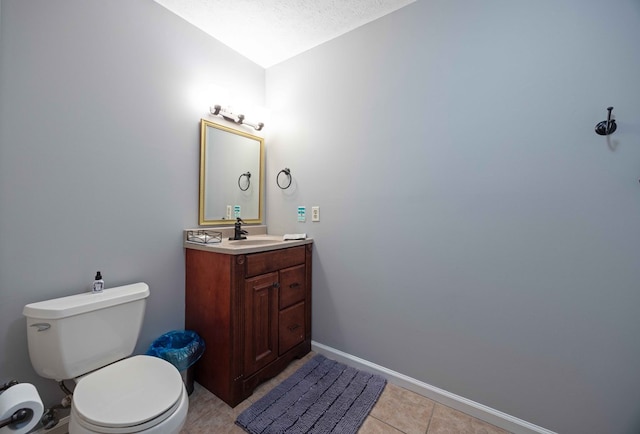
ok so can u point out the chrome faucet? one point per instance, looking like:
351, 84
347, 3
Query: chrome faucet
238, 232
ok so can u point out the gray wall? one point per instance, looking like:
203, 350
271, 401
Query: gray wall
99, 154
475, 234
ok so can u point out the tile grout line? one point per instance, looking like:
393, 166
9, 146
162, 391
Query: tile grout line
387, 424
433, 409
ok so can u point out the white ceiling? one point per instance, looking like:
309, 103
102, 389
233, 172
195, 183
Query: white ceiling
270, 31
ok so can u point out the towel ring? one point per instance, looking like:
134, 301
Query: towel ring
287, 172
248, 175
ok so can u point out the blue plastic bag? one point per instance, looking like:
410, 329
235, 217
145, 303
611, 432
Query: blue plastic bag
181, 348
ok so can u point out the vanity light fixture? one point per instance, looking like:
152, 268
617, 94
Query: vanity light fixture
237, 118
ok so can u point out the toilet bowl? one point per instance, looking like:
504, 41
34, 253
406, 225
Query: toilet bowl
90, 337
139, 394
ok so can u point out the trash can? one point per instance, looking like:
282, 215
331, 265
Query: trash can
182, 348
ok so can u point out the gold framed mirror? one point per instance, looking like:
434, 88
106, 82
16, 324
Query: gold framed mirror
231, 175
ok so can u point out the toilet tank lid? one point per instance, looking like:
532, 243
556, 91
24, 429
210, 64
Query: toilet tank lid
86, 302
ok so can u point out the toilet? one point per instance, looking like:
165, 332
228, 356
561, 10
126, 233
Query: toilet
89, 338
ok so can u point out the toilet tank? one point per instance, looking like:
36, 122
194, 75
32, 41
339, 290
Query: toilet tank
74, 335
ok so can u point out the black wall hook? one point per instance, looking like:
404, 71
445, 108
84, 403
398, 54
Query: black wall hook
607, 127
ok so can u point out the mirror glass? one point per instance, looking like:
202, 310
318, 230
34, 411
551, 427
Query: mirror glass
231, 175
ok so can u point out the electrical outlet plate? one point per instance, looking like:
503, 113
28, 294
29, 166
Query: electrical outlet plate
229, 212
302, 214
315, 213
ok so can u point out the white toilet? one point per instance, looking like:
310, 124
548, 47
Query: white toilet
89, 337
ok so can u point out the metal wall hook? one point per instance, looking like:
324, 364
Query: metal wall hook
287, 172
248, 175
607, 127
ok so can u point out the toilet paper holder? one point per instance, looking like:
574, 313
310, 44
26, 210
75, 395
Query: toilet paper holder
5, 386
19, 415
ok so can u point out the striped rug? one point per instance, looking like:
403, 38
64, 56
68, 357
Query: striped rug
323, 396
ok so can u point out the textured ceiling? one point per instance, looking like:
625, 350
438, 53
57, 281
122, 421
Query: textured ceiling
270, 31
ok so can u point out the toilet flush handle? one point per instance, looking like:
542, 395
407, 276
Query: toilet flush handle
42, 326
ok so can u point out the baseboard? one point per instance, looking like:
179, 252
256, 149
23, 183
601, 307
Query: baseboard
488, 414
61, 428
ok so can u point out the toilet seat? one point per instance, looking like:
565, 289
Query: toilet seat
131, 395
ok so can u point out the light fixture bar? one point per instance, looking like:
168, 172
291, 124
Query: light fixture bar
237, 118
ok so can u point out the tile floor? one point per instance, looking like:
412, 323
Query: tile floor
397, 411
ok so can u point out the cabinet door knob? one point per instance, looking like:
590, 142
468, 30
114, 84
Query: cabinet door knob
276, 285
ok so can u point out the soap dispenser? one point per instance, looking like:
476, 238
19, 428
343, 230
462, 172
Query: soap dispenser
98, 283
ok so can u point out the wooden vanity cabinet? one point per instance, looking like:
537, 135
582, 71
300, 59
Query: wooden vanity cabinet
253, 312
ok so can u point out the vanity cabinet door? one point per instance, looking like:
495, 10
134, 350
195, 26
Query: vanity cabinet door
261, 322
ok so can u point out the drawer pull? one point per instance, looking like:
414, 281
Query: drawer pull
294, 285
294, 327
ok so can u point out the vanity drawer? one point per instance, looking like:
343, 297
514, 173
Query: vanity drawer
291, 328
265, 262
292, 286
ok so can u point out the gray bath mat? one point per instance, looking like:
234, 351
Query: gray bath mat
323, 396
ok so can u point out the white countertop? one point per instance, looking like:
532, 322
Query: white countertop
253, 244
